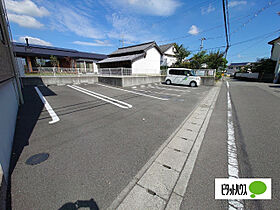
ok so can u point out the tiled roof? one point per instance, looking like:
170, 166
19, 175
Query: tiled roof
135, 49
165, 47
272, 41
122, 58
38, 50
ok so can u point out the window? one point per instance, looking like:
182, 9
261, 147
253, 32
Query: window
180, 72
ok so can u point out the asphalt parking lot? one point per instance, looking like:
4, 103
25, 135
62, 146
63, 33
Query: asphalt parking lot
103, 137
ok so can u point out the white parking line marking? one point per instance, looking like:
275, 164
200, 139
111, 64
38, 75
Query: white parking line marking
48, 107
130, 91
174, 86
115, 102
161, 88
233, 169
161, 93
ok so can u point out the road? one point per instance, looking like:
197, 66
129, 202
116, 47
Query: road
97, 147
256, 119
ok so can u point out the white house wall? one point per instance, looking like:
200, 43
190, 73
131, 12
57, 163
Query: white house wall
276, 51
8, 116
170, 51
150, 65
168, 57
168, 60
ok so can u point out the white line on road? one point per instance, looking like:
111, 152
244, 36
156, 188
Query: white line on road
174, 86
172, 89
115, 102
130, 91
53, 115
161, 93
233, 168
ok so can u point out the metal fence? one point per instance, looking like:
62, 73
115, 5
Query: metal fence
115, 71
205, 72
56, 71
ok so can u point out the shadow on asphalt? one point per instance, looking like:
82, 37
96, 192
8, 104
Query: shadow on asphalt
89, 204
28, 115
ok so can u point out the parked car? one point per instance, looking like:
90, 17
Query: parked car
182, 76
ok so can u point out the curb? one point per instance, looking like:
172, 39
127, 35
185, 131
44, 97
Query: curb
120, 198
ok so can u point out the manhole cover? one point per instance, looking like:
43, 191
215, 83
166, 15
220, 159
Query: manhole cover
37, 159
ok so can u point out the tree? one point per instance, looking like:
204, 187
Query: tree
181, 53
216, 60
54, 61
198, 59
264, 65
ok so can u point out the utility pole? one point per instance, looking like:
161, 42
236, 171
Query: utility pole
122, 40
201, 43
226, 27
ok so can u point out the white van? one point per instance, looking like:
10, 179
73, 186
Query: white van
182, 76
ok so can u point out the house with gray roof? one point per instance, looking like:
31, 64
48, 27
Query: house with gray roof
31, 58
168, 54
141, 59
275, 55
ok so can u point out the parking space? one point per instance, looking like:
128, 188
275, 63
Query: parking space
97, 146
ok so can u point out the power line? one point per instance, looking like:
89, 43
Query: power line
269, 4
257, 37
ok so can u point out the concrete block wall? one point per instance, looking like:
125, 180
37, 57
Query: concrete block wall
59, 80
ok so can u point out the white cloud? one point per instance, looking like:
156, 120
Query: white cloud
236, 3
151, 7
26, 7
193, 30
207, 10
34, 40
25, 21
66, 19
130, 29
97, 43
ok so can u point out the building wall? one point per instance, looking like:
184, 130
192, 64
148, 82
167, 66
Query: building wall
8, 115
8, 96
150, 65
168, 58
276, 52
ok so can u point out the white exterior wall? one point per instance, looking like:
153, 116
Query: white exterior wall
95, 68
8, 116
150, 65
276, 51
168, 57
168, 60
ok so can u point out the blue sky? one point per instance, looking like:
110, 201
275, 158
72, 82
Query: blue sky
99, 25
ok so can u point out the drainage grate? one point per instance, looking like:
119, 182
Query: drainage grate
37, 159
